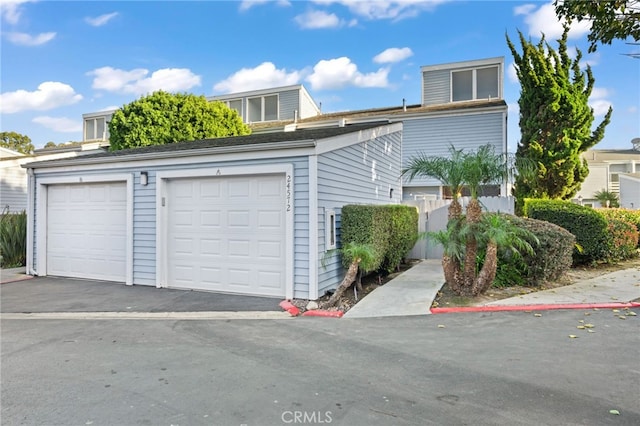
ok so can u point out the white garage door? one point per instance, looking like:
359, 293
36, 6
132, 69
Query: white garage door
86, 231
227, 234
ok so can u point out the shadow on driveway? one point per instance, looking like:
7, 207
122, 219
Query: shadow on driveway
48, 294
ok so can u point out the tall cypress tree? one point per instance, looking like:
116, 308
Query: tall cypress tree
555, 119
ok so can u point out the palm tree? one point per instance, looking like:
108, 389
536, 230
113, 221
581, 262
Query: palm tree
361, 257
472, 170
607, 198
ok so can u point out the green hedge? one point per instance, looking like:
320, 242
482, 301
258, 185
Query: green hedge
552, 257
392, 230
623, 239
13, 239
589, 226
627, 215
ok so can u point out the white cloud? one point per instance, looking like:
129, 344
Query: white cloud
59, 124
101, 20
543, 20
599, 102
248, 4
263, 76
25, 39
315, 19
139, 82
632, 109
393, 54
11, 10
50, 94
394, 10
341, 72
512, 73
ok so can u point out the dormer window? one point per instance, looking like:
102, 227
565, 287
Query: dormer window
472, 84
236, 104
262, 108
95, 129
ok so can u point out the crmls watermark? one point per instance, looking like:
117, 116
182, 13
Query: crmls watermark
306, 417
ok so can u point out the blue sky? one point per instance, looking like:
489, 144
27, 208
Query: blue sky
62, 59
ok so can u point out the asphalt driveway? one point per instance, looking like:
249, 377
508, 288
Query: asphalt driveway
48, 294
507, 368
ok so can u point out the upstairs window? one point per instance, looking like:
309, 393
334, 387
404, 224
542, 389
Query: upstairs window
95, 129
263, 108
236, 104
480, 83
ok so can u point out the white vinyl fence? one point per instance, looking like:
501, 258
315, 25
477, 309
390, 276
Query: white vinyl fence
432, 216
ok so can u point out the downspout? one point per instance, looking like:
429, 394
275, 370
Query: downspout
30, 220
505, 184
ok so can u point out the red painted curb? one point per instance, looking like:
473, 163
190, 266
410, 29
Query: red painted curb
290, 307
612, 305
321, 313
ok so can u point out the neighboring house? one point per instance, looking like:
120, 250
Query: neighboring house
255, 107
607, 167
250, 214
13, 177
630, 190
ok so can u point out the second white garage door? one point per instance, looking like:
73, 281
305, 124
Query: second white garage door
227, 234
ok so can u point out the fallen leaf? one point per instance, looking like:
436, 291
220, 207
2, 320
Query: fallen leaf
615, 412
581, 321
586, 314
631, 314
573, 336
581, 327
441, 326
616, 310
537, 315
589, 325
590, 331
622, 317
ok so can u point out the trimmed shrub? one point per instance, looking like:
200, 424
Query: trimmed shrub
623, 239
13, 239
588, 225
632, 216
365, 224
553, 253
391, 230
403, 234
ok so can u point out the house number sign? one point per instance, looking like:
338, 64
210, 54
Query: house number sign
288, 192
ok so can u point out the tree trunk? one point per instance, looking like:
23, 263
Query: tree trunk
452, 273
474, 214
455, 209
488, 272
349, 278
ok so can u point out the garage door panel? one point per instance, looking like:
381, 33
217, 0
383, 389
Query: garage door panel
238, 239
86, 231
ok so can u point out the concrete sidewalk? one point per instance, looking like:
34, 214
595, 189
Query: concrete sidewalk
410, 293
413, 292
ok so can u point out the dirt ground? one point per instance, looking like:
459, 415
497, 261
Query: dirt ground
447, 298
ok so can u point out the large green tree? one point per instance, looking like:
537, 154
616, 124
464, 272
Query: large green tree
163, 118
610, 20
16, 142
555, 119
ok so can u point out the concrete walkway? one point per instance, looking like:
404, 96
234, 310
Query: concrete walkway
410, 293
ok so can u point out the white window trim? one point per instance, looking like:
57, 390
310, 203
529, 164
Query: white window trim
162, 178
330, 237
474, 87
41, 216
277, 95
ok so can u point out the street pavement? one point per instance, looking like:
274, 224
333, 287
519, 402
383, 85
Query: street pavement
500, 368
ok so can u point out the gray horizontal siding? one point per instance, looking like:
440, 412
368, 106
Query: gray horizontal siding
289, 102
434, 136
13, 188
359, 174
144, 217
436, 87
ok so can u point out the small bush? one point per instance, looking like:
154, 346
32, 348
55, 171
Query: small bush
632, 216
588, 225
403, 234
623, 240
553, 253
13, 239
391, 230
